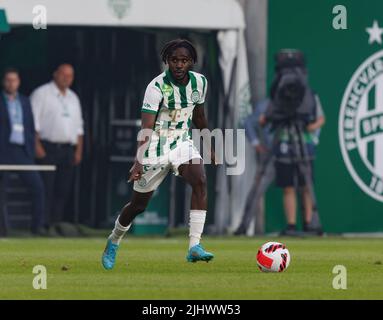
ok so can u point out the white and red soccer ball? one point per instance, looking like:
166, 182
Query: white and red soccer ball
273, 257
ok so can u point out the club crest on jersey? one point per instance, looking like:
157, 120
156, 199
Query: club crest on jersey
361, 126
167, 90
195, 96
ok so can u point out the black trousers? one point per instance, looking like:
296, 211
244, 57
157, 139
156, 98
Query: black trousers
32, 180
58, 184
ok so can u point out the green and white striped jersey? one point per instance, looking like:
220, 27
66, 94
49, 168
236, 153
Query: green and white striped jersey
173, 105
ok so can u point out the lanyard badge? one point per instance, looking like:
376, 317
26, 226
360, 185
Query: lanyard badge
65, 109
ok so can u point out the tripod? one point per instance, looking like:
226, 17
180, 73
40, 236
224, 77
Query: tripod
300, 158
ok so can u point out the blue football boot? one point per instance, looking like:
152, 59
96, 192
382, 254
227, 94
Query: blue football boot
109, 255
197, 253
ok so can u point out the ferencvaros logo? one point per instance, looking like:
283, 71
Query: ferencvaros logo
361, 126
195, 96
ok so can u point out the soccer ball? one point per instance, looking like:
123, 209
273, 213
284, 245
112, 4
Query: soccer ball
273, 257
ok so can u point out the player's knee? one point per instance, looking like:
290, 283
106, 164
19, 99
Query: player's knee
138, 208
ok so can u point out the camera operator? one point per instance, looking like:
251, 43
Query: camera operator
296, 116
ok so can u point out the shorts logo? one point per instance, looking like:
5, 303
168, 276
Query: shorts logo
142, 182
361, 126
167, 90
195, 96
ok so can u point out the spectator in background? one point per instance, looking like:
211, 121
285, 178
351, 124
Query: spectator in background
59, 125
17, 141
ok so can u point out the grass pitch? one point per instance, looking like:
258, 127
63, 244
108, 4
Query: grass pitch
155, 268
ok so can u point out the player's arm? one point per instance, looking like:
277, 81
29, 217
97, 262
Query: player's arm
152, 100
199, 119
200, 122
147, 122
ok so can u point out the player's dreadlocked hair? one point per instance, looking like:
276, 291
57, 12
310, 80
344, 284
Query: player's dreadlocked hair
169, 48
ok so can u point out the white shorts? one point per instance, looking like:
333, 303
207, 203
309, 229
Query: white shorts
156, 169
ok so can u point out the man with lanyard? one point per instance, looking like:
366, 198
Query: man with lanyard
59, 124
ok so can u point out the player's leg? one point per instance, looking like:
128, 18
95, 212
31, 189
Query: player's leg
151, 178
137, 205
123, 222
194, 174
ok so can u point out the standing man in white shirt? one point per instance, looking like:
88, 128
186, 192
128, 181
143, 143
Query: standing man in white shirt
59, 126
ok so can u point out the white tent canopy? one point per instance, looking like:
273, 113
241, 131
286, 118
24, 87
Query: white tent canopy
195, 14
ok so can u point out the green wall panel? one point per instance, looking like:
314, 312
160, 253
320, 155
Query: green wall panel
333, 57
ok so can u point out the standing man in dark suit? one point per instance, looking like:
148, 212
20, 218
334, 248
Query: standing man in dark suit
17, 141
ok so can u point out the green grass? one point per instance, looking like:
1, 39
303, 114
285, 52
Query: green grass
156, 269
